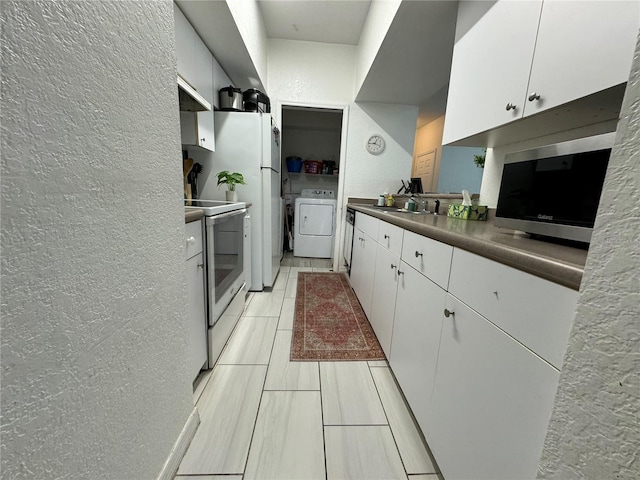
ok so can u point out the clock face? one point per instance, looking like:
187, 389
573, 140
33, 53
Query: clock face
375, 144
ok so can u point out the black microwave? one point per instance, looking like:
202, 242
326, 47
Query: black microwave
555, 190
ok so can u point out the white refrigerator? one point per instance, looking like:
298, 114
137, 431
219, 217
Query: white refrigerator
247, 143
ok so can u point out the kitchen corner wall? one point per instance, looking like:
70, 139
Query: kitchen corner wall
593, 432
323, 75
369, 175
94, 375
318, 74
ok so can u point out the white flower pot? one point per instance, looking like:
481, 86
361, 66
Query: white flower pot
232, 196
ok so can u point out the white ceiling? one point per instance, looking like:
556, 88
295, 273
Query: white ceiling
413, 64
326, 21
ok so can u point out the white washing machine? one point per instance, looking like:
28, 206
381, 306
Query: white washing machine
314, 223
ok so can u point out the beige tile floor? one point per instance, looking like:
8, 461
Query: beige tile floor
264, 417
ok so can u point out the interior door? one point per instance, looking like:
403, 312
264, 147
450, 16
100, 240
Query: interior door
424, 167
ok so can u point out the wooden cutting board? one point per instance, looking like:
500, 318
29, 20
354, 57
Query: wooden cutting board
187, 165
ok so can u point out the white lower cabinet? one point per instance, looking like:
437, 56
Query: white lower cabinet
196, 315
536, 312
475, 346
383, 301
363, 262
492, 400
416, 335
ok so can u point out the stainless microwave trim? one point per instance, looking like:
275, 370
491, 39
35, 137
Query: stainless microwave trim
568, 232
597, 142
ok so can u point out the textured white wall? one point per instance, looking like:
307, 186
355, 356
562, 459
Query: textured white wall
318, 74
369, 175
94, 377
594, 430
310, 72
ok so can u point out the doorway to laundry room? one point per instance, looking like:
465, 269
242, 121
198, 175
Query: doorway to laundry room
311, 167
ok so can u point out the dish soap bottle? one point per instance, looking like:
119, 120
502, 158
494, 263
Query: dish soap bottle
390, 201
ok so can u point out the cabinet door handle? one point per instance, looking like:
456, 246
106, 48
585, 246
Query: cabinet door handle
418, 254
449, 313
510, 106
534, 96
191, 240
393, 266
386, 236
201, 265
202, 140
400, 273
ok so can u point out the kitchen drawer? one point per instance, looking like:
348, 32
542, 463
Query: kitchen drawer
193, 239
536, 312
367, 224
390, 237
428, 256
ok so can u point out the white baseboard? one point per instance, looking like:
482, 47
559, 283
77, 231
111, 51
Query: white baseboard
180, 447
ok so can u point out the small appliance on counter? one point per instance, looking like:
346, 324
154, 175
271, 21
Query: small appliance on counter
230, 99
256, 101
555, 190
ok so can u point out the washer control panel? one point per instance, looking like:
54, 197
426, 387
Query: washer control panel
313, 193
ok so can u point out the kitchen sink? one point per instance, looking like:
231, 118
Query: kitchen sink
388, 209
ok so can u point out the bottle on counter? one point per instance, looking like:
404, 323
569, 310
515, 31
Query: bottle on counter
381, 200
390, 200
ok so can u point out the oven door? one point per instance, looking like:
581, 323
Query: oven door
225, 260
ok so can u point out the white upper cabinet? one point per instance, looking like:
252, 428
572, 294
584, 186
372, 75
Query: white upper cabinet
203, 79
490, 66
195, 65
582, 48
515, 59
185, 46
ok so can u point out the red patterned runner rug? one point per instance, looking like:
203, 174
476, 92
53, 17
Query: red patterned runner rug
329, 323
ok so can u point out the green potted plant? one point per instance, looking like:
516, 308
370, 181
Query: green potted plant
230, 180
479, 159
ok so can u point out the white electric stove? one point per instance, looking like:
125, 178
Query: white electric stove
227, 245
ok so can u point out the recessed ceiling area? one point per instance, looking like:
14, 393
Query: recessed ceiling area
412, 66
315, 21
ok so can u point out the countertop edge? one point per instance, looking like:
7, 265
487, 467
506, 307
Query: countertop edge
193, 215
554, 270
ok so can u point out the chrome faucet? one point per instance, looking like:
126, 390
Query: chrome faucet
424, 203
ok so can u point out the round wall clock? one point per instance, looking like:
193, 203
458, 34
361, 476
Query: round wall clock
375, 144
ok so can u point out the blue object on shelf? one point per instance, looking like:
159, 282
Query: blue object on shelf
294, 164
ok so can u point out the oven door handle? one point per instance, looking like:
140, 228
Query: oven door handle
223, 217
